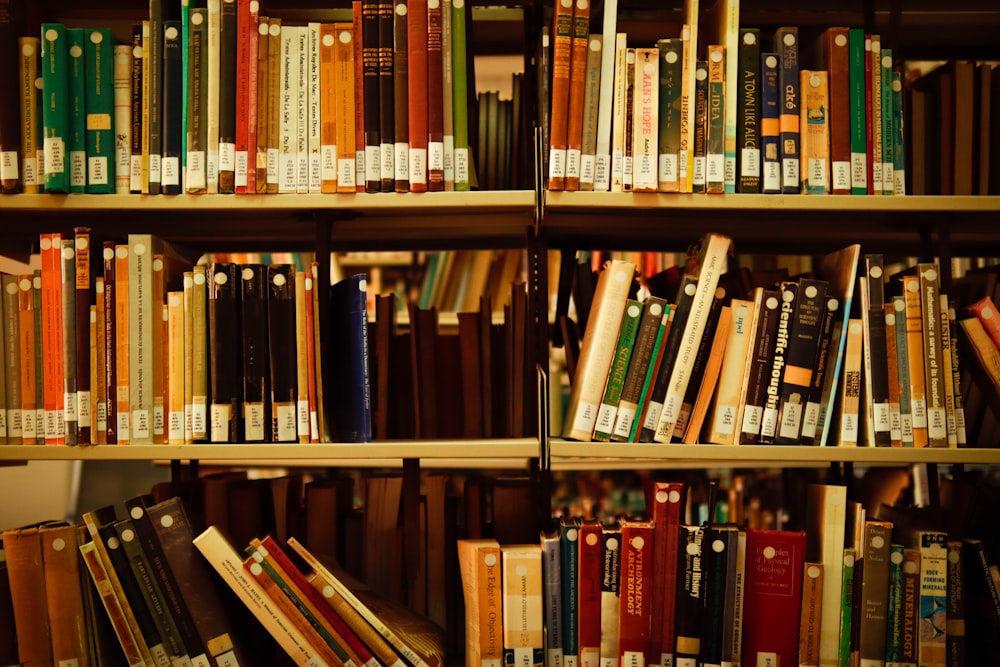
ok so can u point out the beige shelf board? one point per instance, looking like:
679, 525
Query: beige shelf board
461, 463
598, 454
503, 448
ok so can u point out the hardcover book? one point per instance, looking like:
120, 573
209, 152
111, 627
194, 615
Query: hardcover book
635, 601
770, 124
775, 562
748, 112
224, 334
611, 582
56, 107
256, 392
351, 393
281, 348
786, 43
100, 109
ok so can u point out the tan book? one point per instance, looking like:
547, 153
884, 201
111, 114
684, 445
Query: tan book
146, 88
64, 597
479, 562
328, 107
122, 350
199, 354
915, 355
523, 619
139, 331
597, 350
29, 51
158, 300
985, 350
591, 105
273, 103
263, 62
229, 565
302, 369
93, 393
710, 379
99, 574
892, 360
815, 132
175, 364
645, 120
850, 391
726, 407
188, 324
812, 607
12, 359
26, 342
947, 341
618, 110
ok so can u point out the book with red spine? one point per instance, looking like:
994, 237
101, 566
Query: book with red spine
589, 592
667, 502
52, 352
836, 60
247, 16
773, 596
416, 46
637, 593
562, 48
435, 99
577, 89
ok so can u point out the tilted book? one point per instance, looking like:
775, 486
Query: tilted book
800, 358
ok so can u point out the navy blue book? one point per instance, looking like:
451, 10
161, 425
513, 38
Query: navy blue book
770, 124
351, 397
172, 108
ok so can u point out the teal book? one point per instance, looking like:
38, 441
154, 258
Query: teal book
786, 43
888, 135
859, 122
99, 52
898, 152
460, 97
55, 106
748, 113
78, 84
185, 37
894, 611
669, 135
619, 368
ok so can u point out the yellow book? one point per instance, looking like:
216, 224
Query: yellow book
915, 355
479, 562
199, 354
175, 364
815, 128
725, 408
523, 618
188, 349
328, 107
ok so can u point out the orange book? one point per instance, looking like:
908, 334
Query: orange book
577, 88
815, 131
100, 382
23, 551
328, 107
175, 368
710, 378
987, 312
26, 338
311, 358
915, 355
121, 343
562, 47
347, 111
52, 352
116, 614
61, 564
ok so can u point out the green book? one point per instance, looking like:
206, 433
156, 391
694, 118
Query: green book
859, 121
748, 113
715, 163
894, 617
55, 106
185, 36
619, 368
888, 135
669, 136
898, 154
846, 608
99, 49
79, 82
647, 384
460, 94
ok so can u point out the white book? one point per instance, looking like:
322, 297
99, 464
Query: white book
214, 87
618, 115
300, 50
715, 250
315, 117
602, 157
287, 116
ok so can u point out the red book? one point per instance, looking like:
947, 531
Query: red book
416, 44
667, 502
359, 100
987, 312
589, 589
52, 347
636, 592
772, 596
435, 100
577, 75
246, 130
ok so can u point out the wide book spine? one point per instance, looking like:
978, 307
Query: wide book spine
28, 64
775, 562
100, 111
815, 131
416, 46
617, 374
562, 49
344, 45
282, 352
11, 28
835, 60
858, 123
611, 542
642, 358
748, 110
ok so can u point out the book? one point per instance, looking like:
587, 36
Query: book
602, 157
873, 603
197, 103
12, 359
748, 112
351, 392
256, 392
11, 28
772, 400
617, 373
122, 123
386, 90
835, 59
825, 525
645, 109
346, 105
814, 131
786, 43
460, 94
480, 566
715, 161
770, 124
101, 165
688, 609
667, 500
933, 595
56, 107
696, 414
225, 358
610, 297
669, 114
173, 109
282, 346
929, 284
591, 104
29, 62
775, 562
725, 408
859, 122
649, 330
610, 594
589, 576
71, 400
562, 55
636, 580
416, 68
809, 619
578, 55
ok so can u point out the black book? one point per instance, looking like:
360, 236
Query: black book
722, 297
256, 373
875, 353
154, 118
109, 338
282, 346
681, 308
786, 43
349, 386
824, 364
800, 357
772, 399
227, 99
689, 607
748, 156
370, 87
173, 109
716, 555
386, 90
224, 337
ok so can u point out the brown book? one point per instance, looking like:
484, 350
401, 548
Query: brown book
273, 103
8, 631
577, 91
359, 99
417, 80
28, 60
984, 96
26, 351
259, 149
64, 598
892, 361
435, 101
469, 341
99, 574
401, 101
835, 59
423, 328
11, 27
914, 353
912, 616
83, 299
809, 623
23, 548
874, 588
710, 378
559, 112
346, 112
964, 129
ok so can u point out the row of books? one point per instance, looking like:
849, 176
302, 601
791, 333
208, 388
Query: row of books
226, 99
720, 109
147, 349
657, 591
143, 586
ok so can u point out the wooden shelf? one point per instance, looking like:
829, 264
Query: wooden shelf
597, 455
453, 451
240, 223
769, 223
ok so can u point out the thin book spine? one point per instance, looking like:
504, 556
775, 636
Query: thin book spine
668, 135
748, 112
234, 80
460, 94
401, 100
435, 103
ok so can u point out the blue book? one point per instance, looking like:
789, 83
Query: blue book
349, 389
770, 123
570, 560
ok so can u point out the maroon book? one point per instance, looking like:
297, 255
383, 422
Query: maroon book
435, 100
773, 595
591, 572
416, 44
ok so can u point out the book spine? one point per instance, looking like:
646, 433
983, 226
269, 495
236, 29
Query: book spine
669, 114
748, 112
328, 107
175, 369
448, 102
460, 95
899, 143
892, 362
69, 349
947, 373
172, 108
578, 54
369, 46
136, 131
562, 56
344, 45
643, 356
56, 106
282, 347
102, 111
619, 113
27, 352
815, 131
915, 357
200, 425
109, 337
401, 100
874, 603
688, 123
569, 551
715, 556
247, 102
435, 102
76, 138
847, 605
81, 314
287, 123
141, 321
99, 575
715, 153
636, 602
11, 28
700, 146
416, 45
610, 594
29, 49
153, 63
552, 602
873, 66
197, 108
876, 369
787, 44
223, 318
301, 358
859, 123
811, 414
933, 594
888, 135
619, 367
835, 60
314, 103
956, 371
667, 499
187, 352
688, 616
521, 584
602, 157
301, 53
122, 117
589, 596
779, 358
645, 107
725, 412
770, 123
591, 102
263, 124
850, 396
12, 370
121, 343
937, 419
384, 103
275, 76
